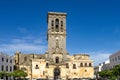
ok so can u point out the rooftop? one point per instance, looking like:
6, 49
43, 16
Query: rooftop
57, 13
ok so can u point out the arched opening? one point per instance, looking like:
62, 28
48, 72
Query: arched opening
57, 60
47, 65
57, 25
85, 64
90, 65
61, 23
56, 73
81, 64
52, 23
67, 65
74, 66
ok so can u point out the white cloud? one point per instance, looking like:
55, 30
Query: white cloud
29, 48
99, 57
38, 41
22, 30
25, 45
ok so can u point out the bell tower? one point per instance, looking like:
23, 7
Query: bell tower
56, 33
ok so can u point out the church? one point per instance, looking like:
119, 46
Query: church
55, 63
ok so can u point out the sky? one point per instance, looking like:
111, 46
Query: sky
93, 26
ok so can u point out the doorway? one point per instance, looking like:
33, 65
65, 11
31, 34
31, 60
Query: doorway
56, 73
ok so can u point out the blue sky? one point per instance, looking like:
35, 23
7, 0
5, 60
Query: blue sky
93, 26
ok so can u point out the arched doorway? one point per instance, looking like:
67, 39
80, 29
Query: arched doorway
57, 60
56, 73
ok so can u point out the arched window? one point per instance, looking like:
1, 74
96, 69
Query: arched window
47, 65
90, 64
57, 25
85, 64
67, 65
2, 68
52, 29
61, 28
81, 64
52, 23
61, 23
74, 66
36, 67
57, 59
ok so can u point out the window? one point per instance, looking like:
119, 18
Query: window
57, 22
67, 65
57, 59
2, 59
61, 29
113, 59
25, 58
10, 61
10, 68
52, 29
6, 60
85, 64
57, 25
36, 67
74, 66
52, 23
90, 64
61, 23
2, 69
81, 64
118, 57
6, 68
47, 65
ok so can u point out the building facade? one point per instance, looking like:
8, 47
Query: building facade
55, 63
103, 66
6, 64
114, 59
106, 65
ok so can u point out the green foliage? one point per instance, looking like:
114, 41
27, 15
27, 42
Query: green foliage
16, 73
106, 73
19, 73
3, 73
116, 70
113, 74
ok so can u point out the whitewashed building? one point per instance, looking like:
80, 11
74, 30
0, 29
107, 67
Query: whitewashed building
114, 59
6, 64
106, 65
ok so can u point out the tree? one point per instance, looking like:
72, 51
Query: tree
3, 73
113, 74
116, 71
19, 74
106, 74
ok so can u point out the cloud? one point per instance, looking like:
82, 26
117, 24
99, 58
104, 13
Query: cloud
25, 45
38, 41
22, 30
28, 48
99, 57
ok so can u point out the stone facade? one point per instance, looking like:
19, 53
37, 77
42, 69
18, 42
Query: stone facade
56, 63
